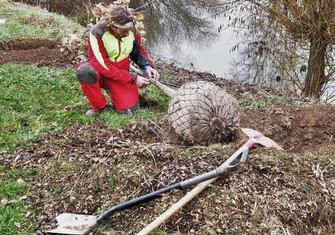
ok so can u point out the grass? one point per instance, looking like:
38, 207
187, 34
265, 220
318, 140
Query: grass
14, 213
25, 21
262, 104
156, 96
35, 100
117, 120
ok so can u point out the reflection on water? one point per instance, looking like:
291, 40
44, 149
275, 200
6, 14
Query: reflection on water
173, 21
187, 32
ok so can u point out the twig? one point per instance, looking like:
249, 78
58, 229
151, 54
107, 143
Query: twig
151, 154
145, 5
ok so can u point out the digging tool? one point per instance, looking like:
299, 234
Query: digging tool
82, 224
255, 137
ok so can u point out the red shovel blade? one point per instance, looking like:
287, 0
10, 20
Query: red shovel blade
259, 138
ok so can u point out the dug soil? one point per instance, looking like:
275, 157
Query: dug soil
101, 167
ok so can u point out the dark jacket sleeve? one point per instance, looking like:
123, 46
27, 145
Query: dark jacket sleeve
139, 55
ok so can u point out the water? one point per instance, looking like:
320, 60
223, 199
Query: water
214, 58
186, 32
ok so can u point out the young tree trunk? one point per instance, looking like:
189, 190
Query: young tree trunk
315, 78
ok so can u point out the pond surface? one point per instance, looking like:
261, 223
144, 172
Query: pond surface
215, 58
187, 33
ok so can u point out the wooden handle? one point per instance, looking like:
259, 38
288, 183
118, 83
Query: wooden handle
174, 208
167, 90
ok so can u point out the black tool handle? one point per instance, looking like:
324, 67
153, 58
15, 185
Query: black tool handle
229, 166
137, 201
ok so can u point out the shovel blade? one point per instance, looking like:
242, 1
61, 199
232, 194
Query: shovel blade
259, 138
74, 224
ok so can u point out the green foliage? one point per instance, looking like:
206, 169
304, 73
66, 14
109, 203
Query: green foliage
155, 95
307, 188
295, 166
258, 104
86, 17
33, 22
113, 177
252, 103
303, 69
159, 232
34, 101
13, 214
272, 157
117, 120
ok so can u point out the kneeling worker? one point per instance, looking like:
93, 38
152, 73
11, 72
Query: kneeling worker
111, 45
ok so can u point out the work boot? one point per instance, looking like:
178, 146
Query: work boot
131, 111
128, 112
92, 113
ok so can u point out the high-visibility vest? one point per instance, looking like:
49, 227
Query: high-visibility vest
118, 49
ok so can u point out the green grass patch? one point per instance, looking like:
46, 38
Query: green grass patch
14, 215
307, 188
156, 96
35, 100
118, 120
25, 21
262, 104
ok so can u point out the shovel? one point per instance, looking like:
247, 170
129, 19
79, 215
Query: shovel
83, 224
255, 137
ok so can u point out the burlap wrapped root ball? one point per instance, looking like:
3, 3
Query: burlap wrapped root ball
203, 113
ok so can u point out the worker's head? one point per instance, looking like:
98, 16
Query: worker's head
120, 20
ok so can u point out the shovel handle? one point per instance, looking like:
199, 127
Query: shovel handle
167, 90
255, 137
233, 164
230, 165
136, 201
174, 208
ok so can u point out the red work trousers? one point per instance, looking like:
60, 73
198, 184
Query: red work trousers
122, 95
